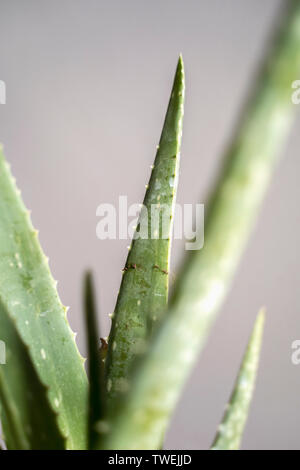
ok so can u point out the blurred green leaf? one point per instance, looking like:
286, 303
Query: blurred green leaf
142, 416
231, 429
95, 361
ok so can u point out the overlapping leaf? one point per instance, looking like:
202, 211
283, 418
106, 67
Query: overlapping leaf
144, 290
28, 420
142, 415
95, 361
28, 295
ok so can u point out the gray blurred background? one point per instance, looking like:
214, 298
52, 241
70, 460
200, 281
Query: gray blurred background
87, 87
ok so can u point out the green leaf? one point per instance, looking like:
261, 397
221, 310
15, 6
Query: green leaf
142, 415
95, 362
231, 429
144, 290
27, 417
28, 293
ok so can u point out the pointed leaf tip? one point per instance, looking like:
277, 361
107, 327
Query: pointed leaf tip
143, 293
231, 429
95, 364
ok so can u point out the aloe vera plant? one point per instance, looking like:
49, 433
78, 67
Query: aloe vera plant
135, 380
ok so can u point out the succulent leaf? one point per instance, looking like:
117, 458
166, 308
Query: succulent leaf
144, 289
95, 361
28, 292
28, 420
142, 416
231, 429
